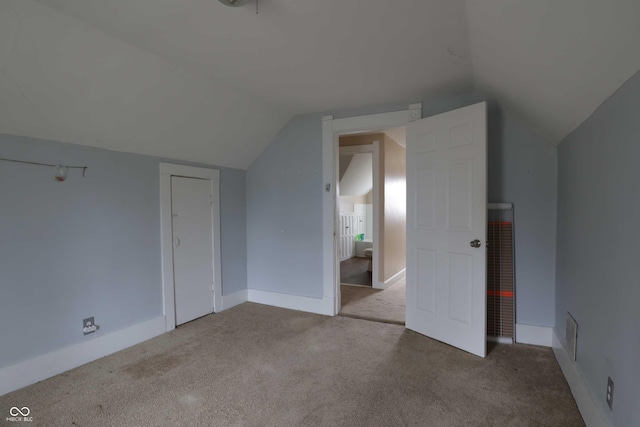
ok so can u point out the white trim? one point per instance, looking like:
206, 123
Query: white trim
500, 206
329, 239
330, 130
500, 340
167, 170
395, 278
42, 367
293, 302
591, 412
378, 238
536, 335
234, 299
379, 121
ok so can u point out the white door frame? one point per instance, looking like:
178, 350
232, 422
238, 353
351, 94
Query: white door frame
331, 131
167, 170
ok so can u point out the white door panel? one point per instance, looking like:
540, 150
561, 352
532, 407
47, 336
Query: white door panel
446, 211
192, 247
351, 224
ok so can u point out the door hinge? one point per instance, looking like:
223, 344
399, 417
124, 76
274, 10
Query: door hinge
211, 199
213, 287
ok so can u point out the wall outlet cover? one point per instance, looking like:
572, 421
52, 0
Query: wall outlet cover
88, 325
610, 393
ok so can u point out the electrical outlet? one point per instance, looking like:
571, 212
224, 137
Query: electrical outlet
89, 326
610, 393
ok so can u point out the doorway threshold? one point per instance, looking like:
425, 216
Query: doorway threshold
378, 305
372, 319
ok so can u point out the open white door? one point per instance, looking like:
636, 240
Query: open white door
447, 227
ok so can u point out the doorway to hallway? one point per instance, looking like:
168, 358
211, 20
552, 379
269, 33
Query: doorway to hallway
379, 305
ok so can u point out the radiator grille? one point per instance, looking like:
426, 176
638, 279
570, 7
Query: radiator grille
500, 274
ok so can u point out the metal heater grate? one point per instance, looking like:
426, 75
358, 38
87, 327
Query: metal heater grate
500, 273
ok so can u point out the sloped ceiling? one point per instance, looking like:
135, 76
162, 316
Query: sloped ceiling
553, 62
358, 176
195, 80
64, 80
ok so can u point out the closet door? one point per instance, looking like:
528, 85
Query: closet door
192, 225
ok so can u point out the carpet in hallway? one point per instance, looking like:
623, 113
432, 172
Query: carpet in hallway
380, 305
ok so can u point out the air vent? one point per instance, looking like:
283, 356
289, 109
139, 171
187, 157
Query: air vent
572, 336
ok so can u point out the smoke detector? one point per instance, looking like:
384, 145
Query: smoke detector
233, 3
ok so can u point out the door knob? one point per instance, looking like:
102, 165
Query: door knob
475, 243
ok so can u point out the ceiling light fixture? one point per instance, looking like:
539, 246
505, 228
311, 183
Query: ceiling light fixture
61, 173
236, 3
233, 3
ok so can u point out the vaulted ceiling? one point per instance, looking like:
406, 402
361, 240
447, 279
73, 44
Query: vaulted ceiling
196, 80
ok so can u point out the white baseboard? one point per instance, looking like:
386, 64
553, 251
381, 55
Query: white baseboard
234, 299
590, 411
42, 367
395, 278
536, 335
391, 280
354, 285
293, 302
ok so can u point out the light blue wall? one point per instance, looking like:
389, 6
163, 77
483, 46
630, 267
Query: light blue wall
284, 212
233, 228
284, 202
89, 246
598, 262
523, 170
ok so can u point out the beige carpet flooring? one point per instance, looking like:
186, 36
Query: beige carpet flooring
255, 365
380, 305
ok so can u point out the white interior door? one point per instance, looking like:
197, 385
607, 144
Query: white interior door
446, 227
192, 219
